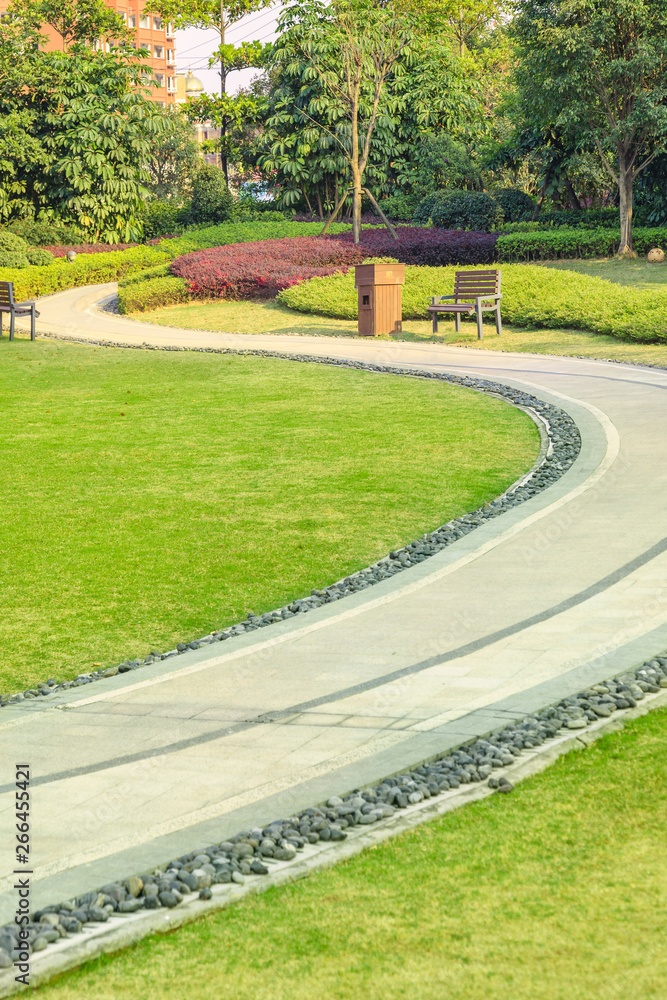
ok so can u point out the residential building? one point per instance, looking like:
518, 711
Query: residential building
153, 35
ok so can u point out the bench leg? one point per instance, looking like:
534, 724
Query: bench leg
480, 331
499, 325
11, 326
457, 322
0, 324
435, 322
32, 324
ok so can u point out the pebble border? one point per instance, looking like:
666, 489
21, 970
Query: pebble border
251, 853
563, 448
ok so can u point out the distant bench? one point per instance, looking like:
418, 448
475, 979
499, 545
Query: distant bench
481, 286
8, 305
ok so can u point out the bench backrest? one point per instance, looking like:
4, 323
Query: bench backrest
468, 284
6, 293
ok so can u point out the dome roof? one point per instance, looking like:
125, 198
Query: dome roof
193, 85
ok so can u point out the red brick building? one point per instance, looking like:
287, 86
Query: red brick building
152, 34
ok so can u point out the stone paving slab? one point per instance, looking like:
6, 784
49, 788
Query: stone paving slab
570, 585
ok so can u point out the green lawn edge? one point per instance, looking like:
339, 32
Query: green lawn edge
555, 892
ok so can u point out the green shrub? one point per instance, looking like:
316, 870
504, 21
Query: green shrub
400, 206
87, 269
211, 200
589, 218
39, 257
162, 218
473, 210
139, 296
520, 227
242, 232
569, 244
159, 271
423, 214
532, 297
515, 204
46, 233
10, 243
13, 259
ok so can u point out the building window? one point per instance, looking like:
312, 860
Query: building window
144, 21
159, 51
171, 84
158, 24
159, 79
131, 20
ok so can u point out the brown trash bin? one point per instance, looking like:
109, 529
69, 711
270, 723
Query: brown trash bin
379, 288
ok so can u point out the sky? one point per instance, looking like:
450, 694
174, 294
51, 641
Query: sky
193, 48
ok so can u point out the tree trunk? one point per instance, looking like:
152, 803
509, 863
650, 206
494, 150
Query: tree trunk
356, 206
319, 205
574, 201
223, 89
625, 182
543, 191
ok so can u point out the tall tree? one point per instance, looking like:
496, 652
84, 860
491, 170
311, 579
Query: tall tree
603, 65
352, 47
217, 15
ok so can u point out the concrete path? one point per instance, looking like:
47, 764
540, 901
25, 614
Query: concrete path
565, 589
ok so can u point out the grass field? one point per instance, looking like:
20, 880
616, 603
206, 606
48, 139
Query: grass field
151, 497
274, 318
556, 892
636, 272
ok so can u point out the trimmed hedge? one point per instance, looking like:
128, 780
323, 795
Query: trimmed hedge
242, 232
578, 243
88, 269
533, 297
428, 247
139, 296
515, 204
261, 269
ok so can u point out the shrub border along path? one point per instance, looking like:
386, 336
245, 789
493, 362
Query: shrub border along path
564, 442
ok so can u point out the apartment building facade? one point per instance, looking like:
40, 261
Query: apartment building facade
152, 34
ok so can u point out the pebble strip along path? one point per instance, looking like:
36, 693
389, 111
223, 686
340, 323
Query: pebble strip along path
252, 853
564, 443
550, 599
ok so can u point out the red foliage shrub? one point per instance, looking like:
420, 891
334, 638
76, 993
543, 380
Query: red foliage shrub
428, 247
90, 248
263, 268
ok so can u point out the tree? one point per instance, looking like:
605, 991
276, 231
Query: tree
79, 20
234, 114
604, 64
175, 157
211, 200
216, 15
352, 46
301, 147
91, 128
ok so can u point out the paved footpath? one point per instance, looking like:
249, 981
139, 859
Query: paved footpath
567, 588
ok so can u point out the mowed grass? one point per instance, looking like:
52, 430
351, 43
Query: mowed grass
263, 317
637, 273
555, 892
151, 497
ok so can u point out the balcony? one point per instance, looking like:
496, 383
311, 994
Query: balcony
169, 31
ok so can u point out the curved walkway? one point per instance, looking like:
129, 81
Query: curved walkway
564, 590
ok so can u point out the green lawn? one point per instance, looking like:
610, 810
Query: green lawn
274, 318
636, 272
150, 497
556, 892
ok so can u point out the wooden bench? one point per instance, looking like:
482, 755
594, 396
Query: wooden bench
8, 305
480, 286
